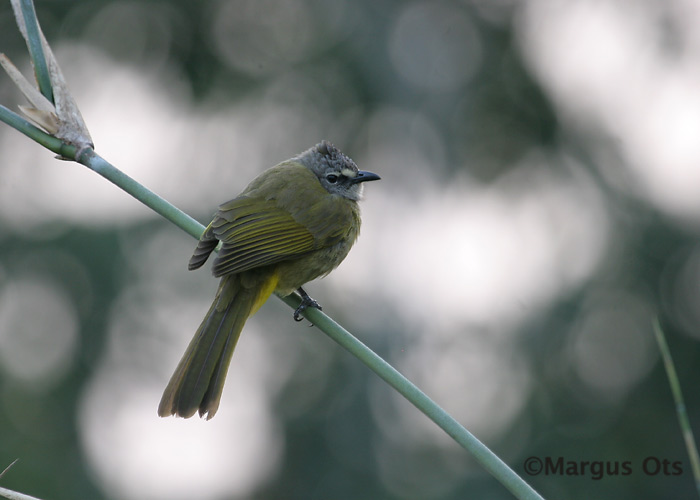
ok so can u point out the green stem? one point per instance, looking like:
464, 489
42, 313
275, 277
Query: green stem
36, 134
14, 495
419, 399
96, 163
36, 51
680, 404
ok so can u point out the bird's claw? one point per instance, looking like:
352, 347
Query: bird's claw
306, 302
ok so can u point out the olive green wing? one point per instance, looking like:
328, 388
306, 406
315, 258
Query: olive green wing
258, 229
206, 245
255, 233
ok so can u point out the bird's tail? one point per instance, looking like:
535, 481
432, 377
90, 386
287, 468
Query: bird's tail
199, 377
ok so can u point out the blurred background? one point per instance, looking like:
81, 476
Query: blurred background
539, 207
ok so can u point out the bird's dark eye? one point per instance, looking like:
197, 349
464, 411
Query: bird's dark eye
332, 178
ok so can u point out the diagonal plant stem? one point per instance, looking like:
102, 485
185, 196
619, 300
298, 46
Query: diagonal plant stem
490, 461
15, 495
96, 163
683, 420
36, 134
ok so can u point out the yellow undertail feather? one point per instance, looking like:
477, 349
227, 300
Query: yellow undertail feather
264, 293
199, 378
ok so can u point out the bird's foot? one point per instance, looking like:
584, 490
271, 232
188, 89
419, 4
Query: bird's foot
306, 302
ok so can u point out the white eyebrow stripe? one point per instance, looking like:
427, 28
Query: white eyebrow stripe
347, 172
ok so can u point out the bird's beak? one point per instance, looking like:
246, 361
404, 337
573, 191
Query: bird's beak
364, 176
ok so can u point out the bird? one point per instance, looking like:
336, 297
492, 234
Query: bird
293, 223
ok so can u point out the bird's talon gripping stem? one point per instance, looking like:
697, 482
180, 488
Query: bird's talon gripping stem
306, 302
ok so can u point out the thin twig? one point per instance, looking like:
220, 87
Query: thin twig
8, 468
681, 411
10, 494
